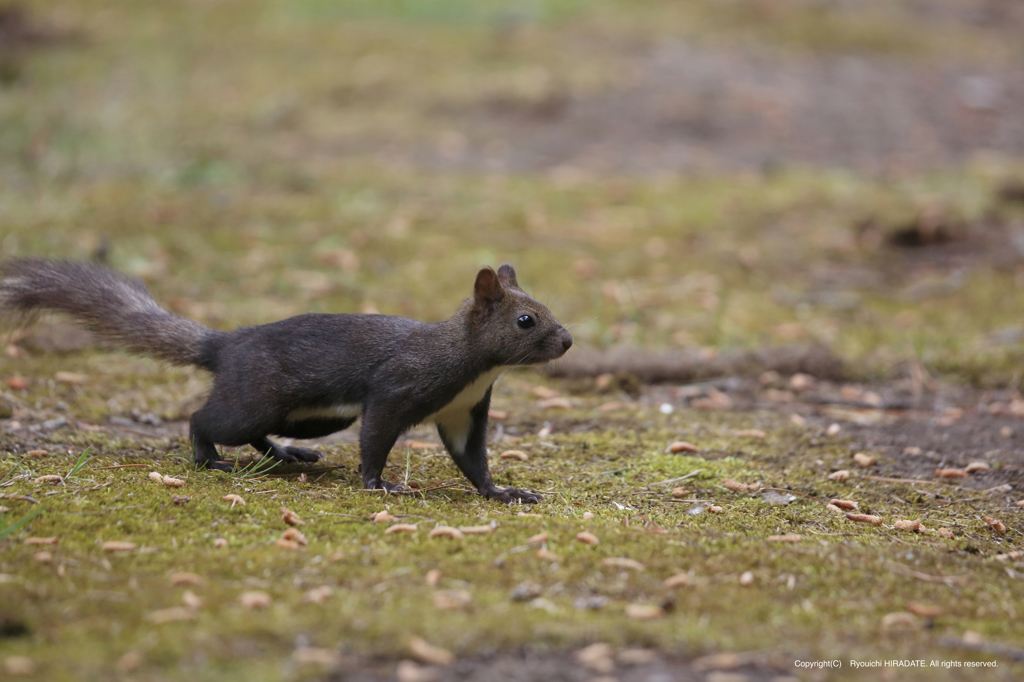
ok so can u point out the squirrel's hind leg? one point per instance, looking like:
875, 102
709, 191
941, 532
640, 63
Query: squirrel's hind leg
204, 451
286, 453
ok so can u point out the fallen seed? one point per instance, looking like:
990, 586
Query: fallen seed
951, 473
900, 620
752, 433
844, 504
497, 415
327, 658
429, 654
840, 475
538, 539
318, 595
788, 537
476, 530
529, 515
589, 516
946, 533
183, 578
747, 579
220, 543
515, 454
620, 562
975, 467
911, 525
677, 580
865, 518
176, 499
254, 599
680, 493
596, 657
191, 600
37, 453
738, 487
587, 537
433, 577
295, 535
291, 518
452, 600
234, 499
833, 430
42, 541
49, 478
801, 381
401, 528
544, 392
43, 557
445, 532
924, 610
995, 524
644, 611
156, 476
172, 481
171, 615
547, 555
863, 460
70, 378
715, 509
527, 591
834, 509
555, 404
912, 450
682, 446
118, 546
1020, 503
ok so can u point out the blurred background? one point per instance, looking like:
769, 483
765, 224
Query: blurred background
705, 175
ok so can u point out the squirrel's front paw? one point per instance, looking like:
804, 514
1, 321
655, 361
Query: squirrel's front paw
510, 495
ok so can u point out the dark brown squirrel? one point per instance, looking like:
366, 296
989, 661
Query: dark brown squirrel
311, 375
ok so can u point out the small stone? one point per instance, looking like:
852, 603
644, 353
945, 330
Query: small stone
747, 579
527, 591
864, 460
682, 446
427, 653
802, 382
833, 430
839, 476
254, 599
1006, 432
589, 516
587, 537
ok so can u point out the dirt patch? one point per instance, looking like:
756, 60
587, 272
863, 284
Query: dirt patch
695, 108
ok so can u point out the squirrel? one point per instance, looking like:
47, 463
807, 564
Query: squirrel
314, 374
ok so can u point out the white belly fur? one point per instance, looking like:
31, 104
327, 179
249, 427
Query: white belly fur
453, 417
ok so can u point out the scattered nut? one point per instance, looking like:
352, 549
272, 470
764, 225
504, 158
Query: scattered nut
677, 580
715, 509
865, 518
118, 546
129, 662
515, 454
37, 453
42, 541
291, 518
644, 611
429, 654
682, 446
946, 533
234, 499
863, 460
184, 578
951, 473
840, 475
844, 504
172, 481
156, 476
911, 525
738, 487
680, 493
912, 450
49, 478
254, 599
996, 525
445, 532
834, 509
975, 467
899, 621
587, 537
295, 535
17, 383
621, 562
325, 658
318, 595
802, 382
401, 528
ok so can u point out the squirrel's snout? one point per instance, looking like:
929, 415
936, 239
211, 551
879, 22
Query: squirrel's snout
566, 340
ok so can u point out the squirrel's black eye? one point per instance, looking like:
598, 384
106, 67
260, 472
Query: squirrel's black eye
525, 322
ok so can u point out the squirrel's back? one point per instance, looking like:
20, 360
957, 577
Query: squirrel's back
115, 306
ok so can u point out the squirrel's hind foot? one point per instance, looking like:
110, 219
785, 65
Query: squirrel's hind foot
510, 495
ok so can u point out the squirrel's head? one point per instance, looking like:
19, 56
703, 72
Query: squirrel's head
512, 327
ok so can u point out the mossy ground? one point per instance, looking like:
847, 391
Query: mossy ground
254, 160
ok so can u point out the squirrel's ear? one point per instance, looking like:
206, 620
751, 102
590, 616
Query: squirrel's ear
507, 275
487, 288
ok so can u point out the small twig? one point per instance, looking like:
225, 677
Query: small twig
681, 478
927, 577
792, 492
883, 479
121, 466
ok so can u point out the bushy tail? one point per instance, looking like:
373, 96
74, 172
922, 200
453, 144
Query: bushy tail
114, 306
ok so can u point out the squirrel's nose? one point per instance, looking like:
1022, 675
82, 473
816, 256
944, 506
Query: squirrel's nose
566, 341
